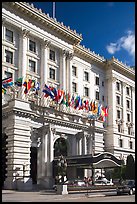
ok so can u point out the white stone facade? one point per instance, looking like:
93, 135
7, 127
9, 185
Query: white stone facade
26, 125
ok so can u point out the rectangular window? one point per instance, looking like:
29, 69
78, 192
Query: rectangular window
118, 100
32, 46
74, 87
127, 91
118, 86
128, 104
119, 128
120, 142
52, 55
8, 74
32, 66
52, 73
130, 144
129, 130
97, 95
86, 76
103, 98
9, 56
102, 83
97, 80
86, 91
118, 114
9, 35
128, 117
74, 71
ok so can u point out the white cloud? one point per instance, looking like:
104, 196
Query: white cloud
126, 42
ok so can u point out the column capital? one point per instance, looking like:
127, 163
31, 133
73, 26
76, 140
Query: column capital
46, 43
25, 33
3, 20
70, 55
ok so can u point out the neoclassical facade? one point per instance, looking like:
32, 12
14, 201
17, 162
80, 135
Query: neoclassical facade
36, 46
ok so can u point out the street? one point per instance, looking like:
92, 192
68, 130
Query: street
43, 196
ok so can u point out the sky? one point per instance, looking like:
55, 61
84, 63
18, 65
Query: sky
107, 28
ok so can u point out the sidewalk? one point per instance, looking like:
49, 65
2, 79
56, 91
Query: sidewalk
42, 196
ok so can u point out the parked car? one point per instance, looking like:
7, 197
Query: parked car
127, 187
103, 181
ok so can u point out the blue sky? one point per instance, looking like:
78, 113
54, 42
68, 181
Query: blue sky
107, 28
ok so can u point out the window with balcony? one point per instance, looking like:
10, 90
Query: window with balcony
52, 55
74, 71
9, 56
86, 77
52, 73
9, 35
97, 80
74, 87
86, 91
32, 66
97, 95
32, 46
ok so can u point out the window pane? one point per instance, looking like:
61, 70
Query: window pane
32, 65
52, 55
97, 80
97, 95
74, 73
74, 88
9, 56
86, 76
86, 91
32, 46
9, 35
52, 73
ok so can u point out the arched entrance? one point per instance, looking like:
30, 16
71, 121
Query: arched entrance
60, 147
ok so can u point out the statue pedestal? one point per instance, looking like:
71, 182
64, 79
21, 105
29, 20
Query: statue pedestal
62, 189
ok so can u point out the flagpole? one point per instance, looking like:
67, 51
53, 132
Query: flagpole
53, 9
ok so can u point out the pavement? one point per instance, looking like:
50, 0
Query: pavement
45, 195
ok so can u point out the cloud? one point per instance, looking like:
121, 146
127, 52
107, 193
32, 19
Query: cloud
126, 42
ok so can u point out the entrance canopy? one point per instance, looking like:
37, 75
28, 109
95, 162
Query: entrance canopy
102, 160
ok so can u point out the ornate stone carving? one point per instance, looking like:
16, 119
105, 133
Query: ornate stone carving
25, 33
47, 43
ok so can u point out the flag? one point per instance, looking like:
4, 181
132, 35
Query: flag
3, 90
18, 81
7, 82
48, 91
60, 96
106, 111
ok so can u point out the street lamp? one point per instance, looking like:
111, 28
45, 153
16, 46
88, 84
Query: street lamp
62, 167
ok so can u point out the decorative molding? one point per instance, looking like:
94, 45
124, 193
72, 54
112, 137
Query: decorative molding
25, 33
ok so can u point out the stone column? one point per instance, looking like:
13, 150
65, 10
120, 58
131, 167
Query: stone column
124, 127
44, 62
63, 85
23, 57
132, 106
18, 150
69, 72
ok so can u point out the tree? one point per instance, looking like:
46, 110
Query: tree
130, 167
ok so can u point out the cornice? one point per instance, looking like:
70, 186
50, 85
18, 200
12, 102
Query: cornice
86, 52
120, 66
52, 23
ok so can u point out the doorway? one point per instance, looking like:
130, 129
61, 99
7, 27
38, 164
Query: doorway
33, 164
